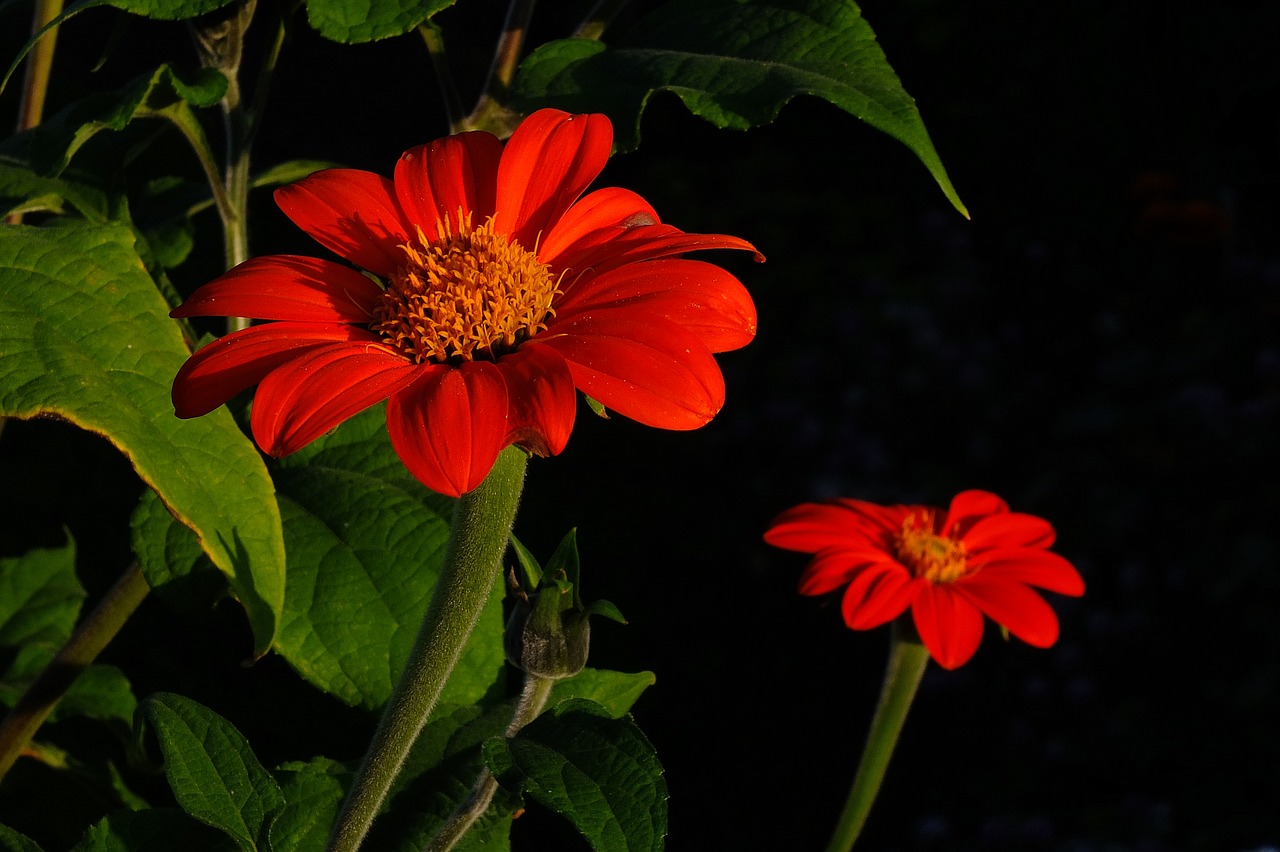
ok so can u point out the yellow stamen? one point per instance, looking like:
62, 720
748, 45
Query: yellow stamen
936, 558
470, 293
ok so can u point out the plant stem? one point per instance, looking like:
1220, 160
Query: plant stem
492, 112
482, 522
35, 80
907, 661
433, 38
598, 19
93, 634
532, 699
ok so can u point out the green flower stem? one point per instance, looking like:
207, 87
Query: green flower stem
482, 522
533, 698
433, 38
93, 634
907, 661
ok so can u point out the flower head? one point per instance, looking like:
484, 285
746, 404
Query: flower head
488, 288
949, 567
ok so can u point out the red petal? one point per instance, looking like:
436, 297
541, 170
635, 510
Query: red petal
1014, 606
311, 394
949, 625
846, 524
548, 162
877, 596
596, 218
449, 427
698, 296
609, 248
967, 507
542, 399
351, 212
1009, 529
287, 287
434, 180
230, 364
641, 366
1038, 568
832, 568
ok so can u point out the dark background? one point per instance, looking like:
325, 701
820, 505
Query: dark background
1098, 345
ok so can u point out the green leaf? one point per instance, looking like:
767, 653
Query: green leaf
364, 542
99, 692
356, 21
313, 794
85, 336
24, 191
13, 841
169, 10
152, 830
161, 94
615, 692
736, 63
40, 596
598, 772
212, 770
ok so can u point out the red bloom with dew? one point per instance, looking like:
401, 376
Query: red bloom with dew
489, 288
951, 568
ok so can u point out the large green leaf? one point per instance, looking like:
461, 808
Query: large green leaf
40, 597
212, 770
152, 830
85, 336
313, 793
598, 772
24, 191
355, 21
736, 63
365, 540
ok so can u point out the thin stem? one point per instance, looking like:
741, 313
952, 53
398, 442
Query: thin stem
434, 40
491, 112
532, 699
907, 661
93, 634
598, 19
35, 81
482, 522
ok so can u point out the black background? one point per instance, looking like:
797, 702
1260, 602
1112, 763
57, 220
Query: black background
1098, 345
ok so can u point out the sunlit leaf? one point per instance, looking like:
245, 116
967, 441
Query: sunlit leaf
615, 692
736, 63
598, 772
212, 770
86, 337
355, 21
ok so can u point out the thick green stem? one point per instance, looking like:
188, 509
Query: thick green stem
81, 650
907, 661
482, 522
534, 697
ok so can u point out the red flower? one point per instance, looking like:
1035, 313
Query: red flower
493, 291
949, 567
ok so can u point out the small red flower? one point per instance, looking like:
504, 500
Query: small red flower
490, 290
950, 567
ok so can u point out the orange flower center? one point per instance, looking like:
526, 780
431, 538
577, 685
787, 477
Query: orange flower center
936, 558
468, 294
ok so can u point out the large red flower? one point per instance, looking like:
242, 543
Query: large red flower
491, 288
949, 567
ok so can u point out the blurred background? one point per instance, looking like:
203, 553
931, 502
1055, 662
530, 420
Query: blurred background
1099, 345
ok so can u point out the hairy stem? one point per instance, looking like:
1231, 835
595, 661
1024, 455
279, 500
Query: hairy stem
492, 112
907, 661
93, 634
532, 699
482, 522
